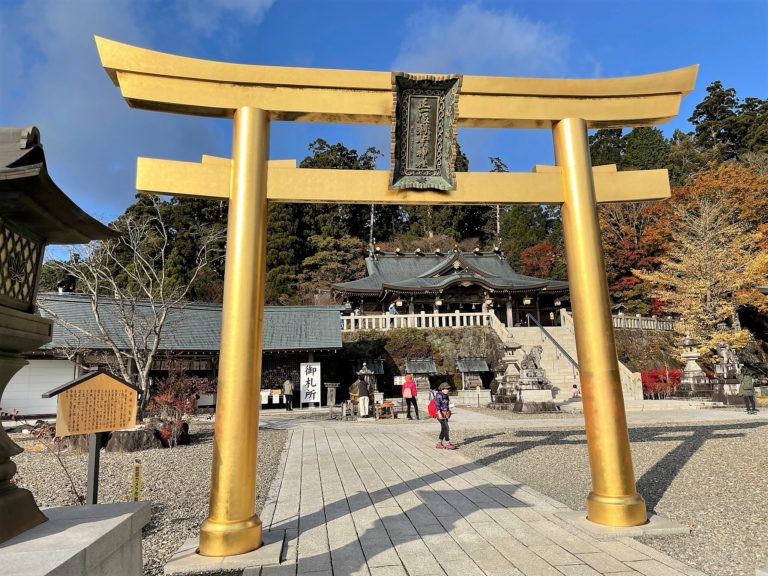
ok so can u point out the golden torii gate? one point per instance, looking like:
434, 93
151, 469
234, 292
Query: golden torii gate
255, 95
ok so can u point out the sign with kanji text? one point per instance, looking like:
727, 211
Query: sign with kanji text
96, 402
310, 382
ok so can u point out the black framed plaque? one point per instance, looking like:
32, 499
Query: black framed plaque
424, 113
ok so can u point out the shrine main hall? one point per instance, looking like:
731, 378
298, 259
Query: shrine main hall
451, 281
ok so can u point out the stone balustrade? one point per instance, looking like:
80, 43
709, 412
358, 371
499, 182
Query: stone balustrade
422, 320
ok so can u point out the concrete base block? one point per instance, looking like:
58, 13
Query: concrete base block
188, 561
761, 571
656, 526
476, 398
100, 540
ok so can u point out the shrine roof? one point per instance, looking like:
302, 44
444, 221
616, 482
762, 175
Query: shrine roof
426, 272
30, 198
471, 365
196, 327
420, 366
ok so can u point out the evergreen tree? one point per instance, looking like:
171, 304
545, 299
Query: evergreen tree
456, 222
606, 147
752, 126
338, 220
291, 226
522, 226
644, 149
333, 260
285, 248
714, 120
684, 157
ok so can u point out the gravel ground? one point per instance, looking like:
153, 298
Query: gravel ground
176, 481
710, 477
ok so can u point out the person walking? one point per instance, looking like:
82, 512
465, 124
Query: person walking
409, 393
747, 390
443, 407
574, 391
360, 393
288, 392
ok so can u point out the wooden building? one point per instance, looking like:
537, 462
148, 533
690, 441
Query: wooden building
445, 282
472, 371
189, 342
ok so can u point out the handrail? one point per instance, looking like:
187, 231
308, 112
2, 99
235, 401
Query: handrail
630, 381
552, 339
628, 322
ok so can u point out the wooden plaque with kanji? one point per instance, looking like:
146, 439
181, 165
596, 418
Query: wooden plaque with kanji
97, 402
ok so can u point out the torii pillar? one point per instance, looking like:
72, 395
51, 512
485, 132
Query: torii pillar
254, 95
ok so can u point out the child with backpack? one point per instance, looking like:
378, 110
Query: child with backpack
440, 408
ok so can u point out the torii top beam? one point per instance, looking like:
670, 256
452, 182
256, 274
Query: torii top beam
168, 83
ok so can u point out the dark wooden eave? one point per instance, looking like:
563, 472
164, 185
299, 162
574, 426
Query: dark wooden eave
31, 199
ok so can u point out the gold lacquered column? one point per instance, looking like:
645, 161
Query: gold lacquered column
614, 500
232, 527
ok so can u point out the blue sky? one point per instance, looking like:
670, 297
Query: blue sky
50, 74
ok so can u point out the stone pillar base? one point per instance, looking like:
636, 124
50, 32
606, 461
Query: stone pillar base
100, 540
18, 504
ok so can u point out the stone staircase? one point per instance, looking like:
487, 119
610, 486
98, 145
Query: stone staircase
560, 371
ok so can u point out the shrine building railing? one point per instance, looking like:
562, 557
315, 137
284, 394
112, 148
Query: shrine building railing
422, 320
425, 320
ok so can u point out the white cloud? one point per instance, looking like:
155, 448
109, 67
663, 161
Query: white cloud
91, 136
477, 40
207, 15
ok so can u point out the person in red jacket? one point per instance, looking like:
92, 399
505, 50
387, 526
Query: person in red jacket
409, 393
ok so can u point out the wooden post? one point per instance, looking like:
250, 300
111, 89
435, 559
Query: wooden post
94, 452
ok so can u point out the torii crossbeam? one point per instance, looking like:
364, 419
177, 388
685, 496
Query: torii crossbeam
254, 95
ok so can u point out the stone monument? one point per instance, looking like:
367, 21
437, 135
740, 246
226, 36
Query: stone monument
504, 397
524, 386
725, 385
694, 380
534, 392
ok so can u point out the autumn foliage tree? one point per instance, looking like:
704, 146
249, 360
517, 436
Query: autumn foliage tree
711, 267
537, 260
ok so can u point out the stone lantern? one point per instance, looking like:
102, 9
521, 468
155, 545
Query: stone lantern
505, 391
34, 212
694, 380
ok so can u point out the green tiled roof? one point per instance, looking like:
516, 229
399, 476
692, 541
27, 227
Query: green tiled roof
413, 272
420, 366
196, 327
471, 365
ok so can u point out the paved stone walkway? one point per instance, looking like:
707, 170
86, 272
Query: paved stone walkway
378, 501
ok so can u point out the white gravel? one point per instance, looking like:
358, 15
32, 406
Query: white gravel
176, 481
711, 477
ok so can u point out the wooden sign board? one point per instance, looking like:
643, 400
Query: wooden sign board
97, 402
